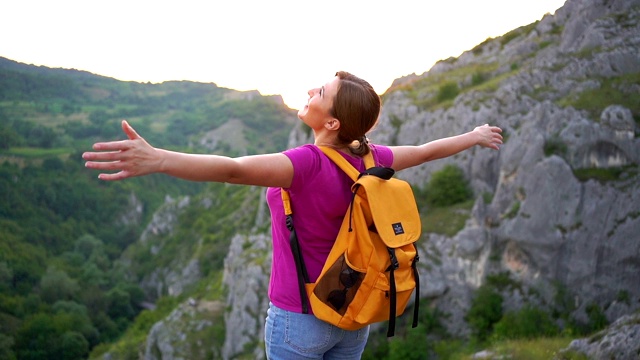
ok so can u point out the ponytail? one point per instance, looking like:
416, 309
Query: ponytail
360, 147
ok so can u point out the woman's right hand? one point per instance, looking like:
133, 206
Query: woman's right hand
129, 158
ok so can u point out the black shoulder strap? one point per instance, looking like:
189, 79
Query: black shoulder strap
301, 269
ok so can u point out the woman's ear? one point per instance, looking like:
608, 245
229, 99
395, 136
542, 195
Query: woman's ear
332, 124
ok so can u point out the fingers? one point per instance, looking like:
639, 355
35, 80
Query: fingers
112, 177
131, 133
112, 145
102, 156
110, 166
103, 165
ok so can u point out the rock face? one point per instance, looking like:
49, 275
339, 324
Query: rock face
246, 276
545, 224
187, 332
620, 341
173, 278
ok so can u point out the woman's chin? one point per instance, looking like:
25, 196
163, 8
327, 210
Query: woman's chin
303, 111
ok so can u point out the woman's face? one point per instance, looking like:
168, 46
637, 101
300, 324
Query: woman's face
317, 110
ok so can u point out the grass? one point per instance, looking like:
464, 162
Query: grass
446, 220
603, 174
425, 91
610, 92
526, 349
536, 349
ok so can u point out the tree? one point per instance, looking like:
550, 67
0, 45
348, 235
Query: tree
6, 275
38, 339
8, 137
6, 344
119, 304
74, 346
57, 285
87, 245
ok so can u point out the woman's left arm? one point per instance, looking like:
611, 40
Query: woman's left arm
409, 156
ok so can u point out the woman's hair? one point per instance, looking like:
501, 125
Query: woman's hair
357, 106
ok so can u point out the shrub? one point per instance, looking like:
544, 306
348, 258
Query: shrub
448, 187
528, 322
502, 281
414, 346
597, 318
448, 91
624, 297
478, 78
485, 311
555, 146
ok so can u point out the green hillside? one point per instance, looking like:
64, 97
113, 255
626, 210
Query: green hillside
62, 289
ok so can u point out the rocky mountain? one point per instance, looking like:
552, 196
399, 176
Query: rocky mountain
566, 91
556, 208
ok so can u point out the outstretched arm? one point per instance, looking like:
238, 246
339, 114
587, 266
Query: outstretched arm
408, 156
135, 157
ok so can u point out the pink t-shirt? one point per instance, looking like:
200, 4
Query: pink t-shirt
320, 195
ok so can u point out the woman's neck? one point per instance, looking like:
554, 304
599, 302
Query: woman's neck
329, 139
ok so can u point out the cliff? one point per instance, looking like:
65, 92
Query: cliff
565, 90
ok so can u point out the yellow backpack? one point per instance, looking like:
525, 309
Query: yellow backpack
371, 270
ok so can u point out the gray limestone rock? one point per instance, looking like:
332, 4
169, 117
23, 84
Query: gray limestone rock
620, 341
246, 275
546, 223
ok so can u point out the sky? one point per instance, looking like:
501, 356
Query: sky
283, 47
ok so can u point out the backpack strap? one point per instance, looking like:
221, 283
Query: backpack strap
301, 269
344, 164
392, 291
416, 305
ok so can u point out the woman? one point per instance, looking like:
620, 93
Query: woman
340, 113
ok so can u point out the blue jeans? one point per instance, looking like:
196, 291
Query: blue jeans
289, 335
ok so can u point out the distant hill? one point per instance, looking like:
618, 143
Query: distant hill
76, 107
63, 288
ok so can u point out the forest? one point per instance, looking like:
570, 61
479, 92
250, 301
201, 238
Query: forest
62, 231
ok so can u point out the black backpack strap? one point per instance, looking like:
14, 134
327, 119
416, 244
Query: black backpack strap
392, 291
385, 173
301, 269
416, 305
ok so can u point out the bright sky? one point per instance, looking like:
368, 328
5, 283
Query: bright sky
275, 46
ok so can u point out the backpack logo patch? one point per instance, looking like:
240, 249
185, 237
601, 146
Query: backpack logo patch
398, 229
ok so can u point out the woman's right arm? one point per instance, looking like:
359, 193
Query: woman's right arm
135, 157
